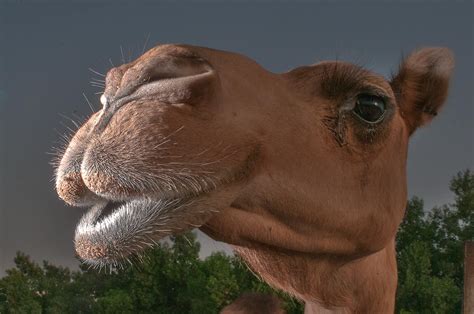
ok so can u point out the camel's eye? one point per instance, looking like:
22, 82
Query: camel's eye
369, 108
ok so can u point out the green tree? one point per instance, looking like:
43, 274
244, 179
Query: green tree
115, 301
221, 282
452, 225
430, 251
420, 291
20, 289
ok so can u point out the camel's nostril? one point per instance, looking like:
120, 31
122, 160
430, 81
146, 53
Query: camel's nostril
103, 100
73, 191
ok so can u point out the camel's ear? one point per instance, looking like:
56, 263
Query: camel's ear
421, 85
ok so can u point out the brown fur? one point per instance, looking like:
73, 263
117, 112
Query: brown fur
277, 165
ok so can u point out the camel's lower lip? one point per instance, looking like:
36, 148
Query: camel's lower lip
111, 231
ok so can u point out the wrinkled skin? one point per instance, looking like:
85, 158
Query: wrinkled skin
278, 165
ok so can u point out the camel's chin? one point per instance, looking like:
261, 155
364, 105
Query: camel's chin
113, 232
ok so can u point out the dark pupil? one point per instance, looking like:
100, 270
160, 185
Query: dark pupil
369, 107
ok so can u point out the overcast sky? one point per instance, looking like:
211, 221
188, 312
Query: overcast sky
46, 50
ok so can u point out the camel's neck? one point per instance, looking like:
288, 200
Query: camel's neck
336, 285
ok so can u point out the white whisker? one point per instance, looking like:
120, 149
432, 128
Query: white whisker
146, 42
95, 72
121, 52
88, 102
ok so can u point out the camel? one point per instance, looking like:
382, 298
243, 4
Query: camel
303, 172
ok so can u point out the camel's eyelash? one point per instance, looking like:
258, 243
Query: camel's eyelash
339, 80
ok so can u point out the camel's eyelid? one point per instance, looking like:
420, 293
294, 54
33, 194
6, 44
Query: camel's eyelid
339, 80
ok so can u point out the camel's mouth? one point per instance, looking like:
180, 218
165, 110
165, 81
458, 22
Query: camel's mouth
115, 231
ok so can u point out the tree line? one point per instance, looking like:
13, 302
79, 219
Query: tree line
173, 279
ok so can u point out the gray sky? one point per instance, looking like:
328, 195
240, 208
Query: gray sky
46, 50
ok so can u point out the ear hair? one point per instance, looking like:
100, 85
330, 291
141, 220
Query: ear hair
421, 85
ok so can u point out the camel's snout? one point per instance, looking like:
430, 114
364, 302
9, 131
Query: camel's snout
72, 189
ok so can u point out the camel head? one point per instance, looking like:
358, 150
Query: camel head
306, 163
